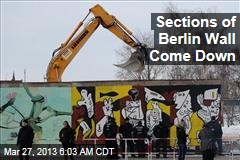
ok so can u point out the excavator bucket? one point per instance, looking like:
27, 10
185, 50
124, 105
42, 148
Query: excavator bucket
134, 64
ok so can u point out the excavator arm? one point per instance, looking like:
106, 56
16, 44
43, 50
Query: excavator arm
63, 55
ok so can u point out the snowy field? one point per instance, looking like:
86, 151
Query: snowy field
231, 140
232, 131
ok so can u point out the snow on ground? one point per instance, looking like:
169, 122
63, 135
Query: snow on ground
231, 140
231, 131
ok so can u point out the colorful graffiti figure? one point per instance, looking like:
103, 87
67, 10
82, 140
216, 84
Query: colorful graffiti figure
184, 110
39, 113
84, 123
87, 101
153, 115
108, 112
206, 112
133, 109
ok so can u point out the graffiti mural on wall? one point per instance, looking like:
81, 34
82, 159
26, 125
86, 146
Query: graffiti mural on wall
192, 105
83, 106
134, 107
41, 106
154, 113
88, 109
118, 102
208, 110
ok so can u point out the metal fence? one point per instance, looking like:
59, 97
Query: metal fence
144, 147
231, 148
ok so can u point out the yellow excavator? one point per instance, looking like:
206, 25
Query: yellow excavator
64, 54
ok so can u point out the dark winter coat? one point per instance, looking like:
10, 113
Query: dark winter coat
140, 131
208, 139
181, 135
110, 129
66, 135
216, 127
126, 130
161, 131
25, 136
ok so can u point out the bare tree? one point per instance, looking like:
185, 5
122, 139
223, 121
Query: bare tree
228, 74
231, 112
151, 72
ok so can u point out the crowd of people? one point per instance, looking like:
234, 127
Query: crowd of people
133, 139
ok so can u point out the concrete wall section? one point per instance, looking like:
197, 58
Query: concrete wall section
87, 105
44, 107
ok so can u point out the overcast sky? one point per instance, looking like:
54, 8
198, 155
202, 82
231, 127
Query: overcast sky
30, 31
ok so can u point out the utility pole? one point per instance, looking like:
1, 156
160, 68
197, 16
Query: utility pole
24, 74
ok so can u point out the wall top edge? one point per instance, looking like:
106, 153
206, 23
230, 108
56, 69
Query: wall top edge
106, 83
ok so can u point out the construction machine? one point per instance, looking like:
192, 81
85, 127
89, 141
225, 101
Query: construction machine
64, 54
